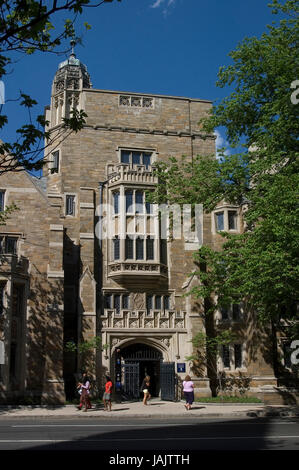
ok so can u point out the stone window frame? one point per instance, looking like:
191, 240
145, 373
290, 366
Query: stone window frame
75, 204
153, 152
3, 243
153, 296
225, 209
121, 295
230, 314
231, 349
55, 170
3, 200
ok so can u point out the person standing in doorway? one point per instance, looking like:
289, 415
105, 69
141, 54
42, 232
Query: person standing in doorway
107, 394
188, 389
145, 388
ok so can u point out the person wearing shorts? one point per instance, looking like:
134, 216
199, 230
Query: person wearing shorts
145, 388
107, 394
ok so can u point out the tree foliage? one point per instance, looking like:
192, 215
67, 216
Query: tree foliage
27, 26
260, 265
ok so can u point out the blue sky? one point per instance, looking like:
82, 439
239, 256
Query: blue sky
172, 47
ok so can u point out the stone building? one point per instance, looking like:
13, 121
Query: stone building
63, 279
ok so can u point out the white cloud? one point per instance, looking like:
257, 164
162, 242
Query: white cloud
166, 3
220, 143
157, 3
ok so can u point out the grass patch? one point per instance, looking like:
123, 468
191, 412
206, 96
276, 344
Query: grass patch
228, 399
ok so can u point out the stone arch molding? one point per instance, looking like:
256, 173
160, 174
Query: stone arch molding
162, 344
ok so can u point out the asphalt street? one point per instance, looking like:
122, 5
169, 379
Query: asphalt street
154, 435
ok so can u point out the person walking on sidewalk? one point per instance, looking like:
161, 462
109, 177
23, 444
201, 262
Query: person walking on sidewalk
188, 389
145, 388
107, 394
84, 393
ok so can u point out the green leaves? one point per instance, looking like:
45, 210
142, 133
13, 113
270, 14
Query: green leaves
85, 346
27, 27
260, 265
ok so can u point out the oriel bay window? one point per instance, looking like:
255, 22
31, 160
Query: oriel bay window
116, 202
139, 248
150, 248
116, 248
135, 202
135, 235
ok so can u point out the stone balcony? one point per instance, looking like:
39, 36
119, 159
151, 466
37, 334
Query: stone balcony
126, 272
142, 319
124, 174
14, 264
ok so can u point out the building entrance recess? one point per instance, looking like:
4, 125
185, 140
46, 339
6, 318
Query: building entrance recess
139, 360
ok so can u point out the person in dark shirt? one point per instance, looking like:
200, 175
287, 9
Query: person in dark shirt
146, 388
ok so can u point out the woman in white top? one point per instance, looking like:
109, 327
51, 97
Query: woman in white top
188, 389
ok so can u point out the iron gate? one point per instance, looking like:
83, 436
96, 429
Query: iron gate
167, 380
130, 380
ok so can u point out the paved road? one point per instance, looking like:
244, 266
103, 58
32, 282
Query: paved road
149, 435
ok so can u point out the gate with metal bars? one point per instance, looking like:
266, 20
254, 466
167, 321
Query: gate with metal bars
167, 381
130, 381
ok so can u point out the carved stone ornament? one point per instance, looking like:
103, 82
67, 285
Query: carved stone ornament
124, 100
147, 102
59, 85
115, 341
136, 101
165, 341
138, 302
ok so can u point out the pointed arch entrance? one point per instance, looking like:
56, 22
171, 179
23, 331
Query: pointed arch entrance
148, 360
138, 359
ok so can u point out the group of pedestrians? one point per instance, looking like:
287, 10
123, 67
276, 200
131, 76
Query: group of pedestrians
85, 386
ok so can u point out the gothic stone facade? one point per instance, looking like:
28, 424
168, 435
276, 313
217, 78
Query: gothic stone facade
61, 281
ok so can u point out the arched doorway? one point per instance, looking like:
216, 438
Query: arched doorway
139, 360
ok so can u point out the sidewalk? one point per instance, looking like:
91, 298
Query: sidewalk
155, 409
